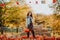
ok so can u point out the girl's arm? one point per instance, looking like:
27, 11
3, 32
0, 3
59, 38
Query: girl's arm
26, 22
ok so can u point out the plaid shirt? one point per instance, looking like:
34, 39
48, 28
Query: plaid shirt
28, 21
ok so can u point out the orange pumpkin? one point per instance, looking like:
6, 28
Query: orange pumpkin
2, 4
37, 36
53, 38
11, 38
54, 1
26, 30
17, 3
31, 37
24, 37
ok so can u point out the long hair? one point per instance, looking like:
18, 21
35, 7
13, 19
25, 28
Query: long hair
28, 13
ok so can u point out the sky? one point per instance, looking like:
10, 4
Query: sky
5, 0
40, 8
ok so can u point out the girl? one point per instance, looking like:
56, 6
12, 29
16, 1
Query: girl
29, 23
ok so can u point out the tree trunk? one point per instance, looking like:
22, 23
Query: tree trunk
17, 30
1, 31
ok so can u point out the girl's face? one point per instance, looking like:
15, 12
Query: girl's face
30, 14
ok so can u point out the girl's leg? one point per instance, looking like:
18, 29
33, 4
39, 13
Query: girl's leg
28, 34
33, 33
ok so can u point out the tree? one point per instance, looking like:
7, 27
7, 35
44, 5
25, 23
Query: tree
1, 20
